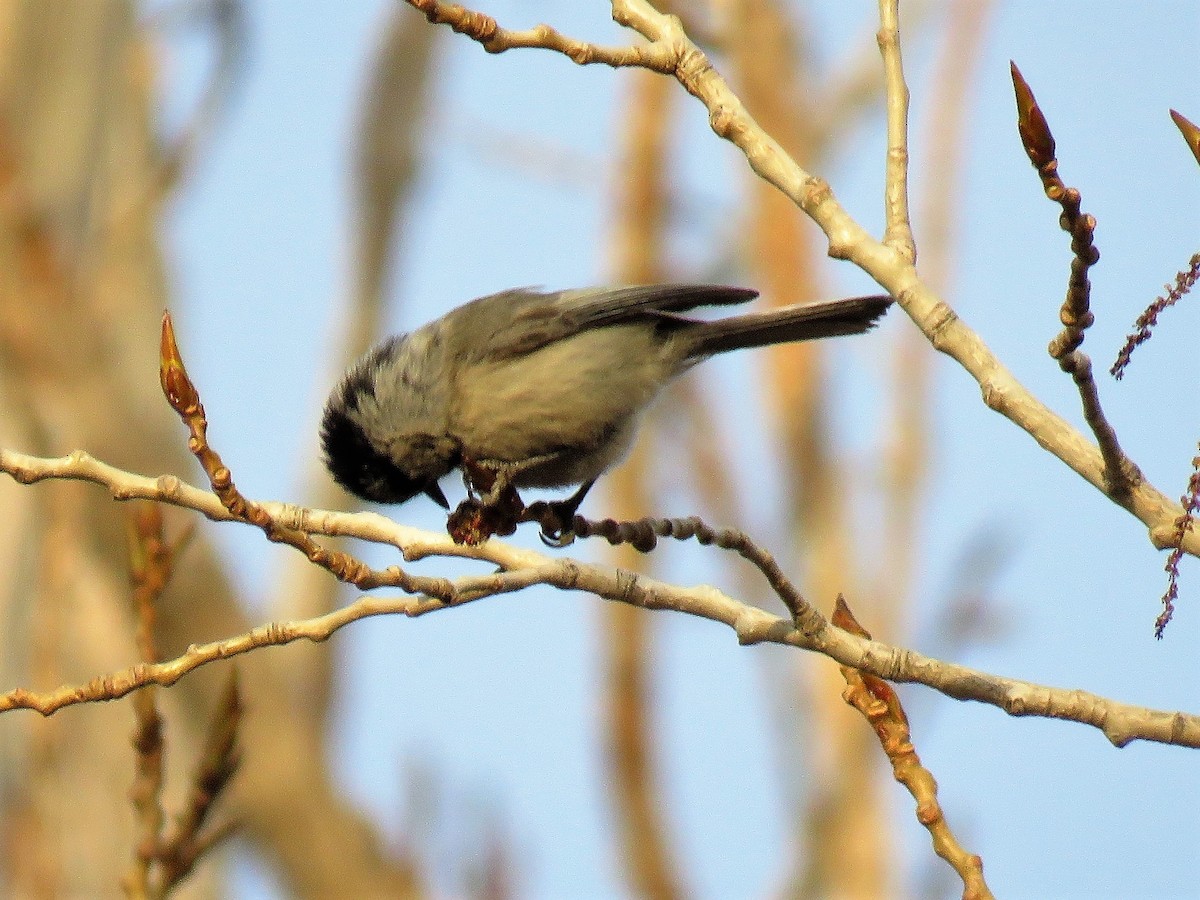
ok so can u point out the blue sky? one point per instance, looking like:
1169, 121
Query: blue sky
499, 700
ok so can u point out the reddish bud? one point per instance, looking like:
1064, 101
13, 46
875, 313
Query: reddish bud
1190, 132
176, 385
1031, 123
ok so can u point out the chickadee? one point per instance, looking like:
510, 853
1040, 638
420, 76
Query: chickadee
539, 389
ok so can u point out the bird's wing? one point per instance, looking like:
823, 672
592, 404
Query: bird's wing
534, 320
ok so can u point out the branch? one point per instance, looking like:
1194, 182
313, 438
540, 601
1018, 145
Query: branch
188, 840
1119, 471
908, 454
643, 536
898, 232
159, 864
518, 569
880, 705
151, 560
494, 39
670, 51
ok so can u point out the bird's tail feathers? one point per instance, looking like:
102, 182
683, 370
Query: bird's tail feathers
802, 322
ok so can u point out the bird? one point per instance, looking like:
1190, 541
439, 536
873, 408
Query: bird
534, 389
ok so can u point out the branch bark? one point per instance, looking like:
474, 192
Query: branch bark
1121, 723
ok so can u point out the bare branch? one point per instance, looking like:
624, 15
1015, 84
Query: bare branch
187, 842
670, 51
643, 536
494, 39
898, 231
1120, 722
1119, 471
880, 705
185, 400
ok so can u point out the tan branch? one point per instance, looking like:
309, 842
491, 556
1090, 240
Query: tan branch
188, 840
670, 51
898, 229
494, 39
880, 705
519, 568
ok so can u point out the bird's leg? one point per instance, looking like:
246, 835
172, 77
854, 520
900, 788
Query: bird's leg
492, 478
558, 518
493, 505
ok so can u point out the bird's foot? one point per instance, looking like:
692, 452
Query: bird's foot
493, 506
474, 520
557, 518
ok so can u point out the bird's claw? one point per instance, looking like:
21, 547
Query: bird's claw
493, 506
557, 530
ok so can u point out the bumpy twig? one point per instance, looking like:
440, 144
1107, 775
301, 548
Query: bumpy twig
160, 864
880, 705
643, 536
181, 393
1172, 294
1120, 474
670, 51
519, 569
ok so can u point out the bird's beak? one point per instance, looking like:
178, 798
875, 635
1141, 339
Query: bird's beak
434, 492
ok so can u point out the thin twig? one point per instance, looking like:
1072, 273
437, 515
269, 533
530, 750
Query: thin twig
1120, 723
643, 536
909, 455
181, 393
670, 51
1120, 473
898, 229
880, 705
187, 841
